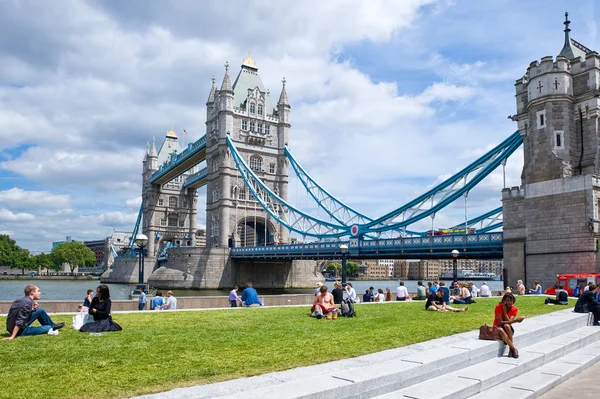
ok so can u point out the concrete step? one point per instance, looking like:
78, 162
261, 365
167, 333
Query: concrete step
474, 379
536, 382
388, 371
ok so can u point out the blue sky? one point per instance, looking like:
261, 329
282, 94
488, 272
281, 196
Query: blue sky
411, 91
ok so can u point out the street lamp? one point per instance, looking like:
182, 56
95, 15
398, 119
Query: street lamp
455, 264
344, 251
141, 240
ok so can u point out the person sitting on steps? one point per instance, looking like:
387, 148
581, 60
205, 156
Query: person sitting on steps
505, 314
323, 305
587, 303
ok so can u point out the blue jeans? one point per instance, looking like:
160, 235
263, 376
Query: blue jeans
141, 305
46, 323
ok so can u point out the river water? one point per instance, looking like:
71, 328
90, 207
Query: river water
76, 289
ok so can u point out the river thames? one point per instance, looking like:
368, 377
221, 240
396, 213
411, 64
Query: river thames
76, 289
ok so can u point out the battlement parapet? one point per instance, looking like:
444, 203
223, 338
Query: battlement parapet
513, 193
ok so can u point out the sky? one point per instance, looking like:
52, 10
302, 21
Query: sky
387, 97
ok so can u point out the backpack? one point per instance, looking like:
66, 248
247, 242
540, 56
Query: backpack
348, 308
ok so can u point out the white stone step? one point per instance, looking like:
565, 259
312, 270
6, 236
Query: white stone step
383, 372
536, 382
474, 379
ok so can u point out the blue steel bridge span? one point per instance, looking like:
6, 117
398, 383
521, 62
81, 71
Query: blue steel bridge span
472, 246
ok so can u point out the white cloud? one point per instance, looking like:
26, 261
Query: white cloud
17, 198
8, 216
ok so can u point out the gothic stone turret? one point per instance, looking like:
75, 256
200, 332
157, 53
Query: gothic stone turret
550, 222
260, 131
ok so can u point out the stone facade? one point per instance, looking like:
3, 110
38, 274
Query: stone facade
551, 220
260, 131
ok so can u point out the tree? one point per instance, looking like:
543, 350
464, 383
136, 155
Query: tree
43, 261
75, 253
352, 269
10, 253
333, 268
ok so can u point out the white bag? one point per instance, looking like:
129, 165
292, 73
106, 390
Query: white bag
80, 319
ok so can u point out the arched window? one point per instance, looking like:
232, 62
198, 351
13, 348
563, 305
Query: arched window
256, 163
260, 109
172, 202
252, 108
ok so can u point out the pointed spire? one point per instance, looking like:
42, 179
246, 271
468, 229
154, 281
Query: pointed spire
283, 98
567, 50
211, 95
226, 86
153, 152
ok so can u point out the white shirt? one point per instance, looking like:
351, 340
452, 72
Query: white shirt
351, 294
171, 303
401, 292
381, 298
485, 290
474, 290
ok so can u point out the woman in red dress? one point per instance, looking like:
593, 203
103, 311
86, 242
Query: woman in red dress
505, 315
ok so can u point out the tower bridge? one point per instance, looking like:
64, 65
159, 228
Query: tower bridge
550, 222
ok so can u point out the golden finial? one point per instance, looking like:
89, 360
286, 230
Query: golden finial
171, 133
249, 61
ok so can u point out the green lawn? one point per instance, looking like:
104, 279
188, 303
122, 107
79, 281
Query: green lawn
158, 351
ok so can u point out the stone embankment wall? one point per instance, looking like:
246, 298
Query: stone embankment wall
184, 302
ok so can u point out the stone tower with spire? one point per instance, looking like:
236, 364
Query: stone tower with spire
260, 130
551, 220
169, 210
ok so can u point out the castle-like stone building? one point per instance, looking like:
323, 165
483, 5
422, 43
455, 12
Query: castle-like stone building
551, 220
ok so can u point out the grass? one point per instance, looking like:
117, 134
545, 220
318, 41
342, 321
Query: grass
158, 351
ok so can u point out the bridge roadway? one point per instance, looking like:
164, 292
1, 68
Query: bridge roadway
472, 246
180, 163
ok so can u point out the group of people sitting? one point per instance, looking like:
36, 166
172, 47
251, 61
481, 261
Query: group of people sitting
249, 297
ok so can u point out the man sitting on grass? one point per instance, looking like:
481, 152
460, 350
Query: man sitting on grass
562, 297
250, 297
435, 303
323, 305
23, 312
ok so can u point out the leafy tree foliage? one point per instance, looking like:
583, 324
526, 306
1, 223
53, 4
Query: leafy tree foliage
11, 254
334, 268
352, 269
43, 261
74, 253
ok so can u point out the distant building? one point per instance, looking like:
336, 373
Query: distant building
98, 247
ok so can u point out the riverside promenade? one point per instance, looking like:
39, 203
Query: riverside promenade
553, 348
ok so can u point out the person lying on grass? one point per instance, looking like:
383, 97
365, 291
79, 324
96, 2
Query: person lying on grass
323, 305
505, 314
435, 303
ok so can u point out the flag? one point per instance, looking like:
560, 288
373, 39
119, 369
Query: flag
184, 131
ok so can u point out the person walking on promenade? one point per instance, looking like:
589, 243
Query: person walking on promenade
171, 302
401, 292
158, 301
505, 314
520, 287
537, 288
485, 290
250, 296
24, 311
142, 299
351, 293
233, 297
323, 305
587, 302
338, 293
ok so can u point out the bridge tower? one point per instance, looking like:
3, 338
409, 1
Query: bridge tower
260, 130
551, 220
169, 210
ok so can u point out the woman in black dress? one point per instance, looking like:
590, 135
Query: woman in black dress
100, 310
